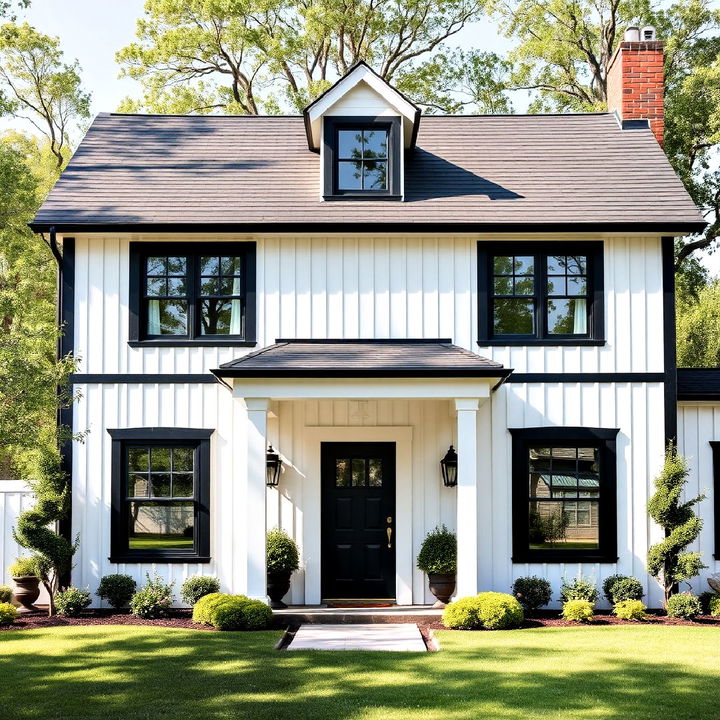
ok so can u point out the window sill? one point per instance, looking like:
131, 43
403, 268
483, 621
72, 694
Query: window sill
529, 342
363, 196
561, 556
137, 559
191, 343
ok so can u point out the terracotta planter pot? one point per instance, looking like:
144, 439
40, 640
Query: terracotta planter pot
278, 585
442, 586
27, 591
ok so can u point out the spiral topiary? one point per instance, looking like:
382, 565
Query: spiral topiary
668, 560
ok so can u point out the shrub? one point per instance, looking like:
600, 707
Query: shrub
281, 552
240, 613
438, 553
5, 593
532, 592
153, 600
196, 587
202, 612
621, 587
489, 610
705, 598
550, 528
578, 610
714, 606
72, 602
578, 589
25, 567
8, 614
630, 610
117, 590
683, 605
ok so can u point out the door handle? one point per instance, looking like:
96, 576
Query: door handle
389, 536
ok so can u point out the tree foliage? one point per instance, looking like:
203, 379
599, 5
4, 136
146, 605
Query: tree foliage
563, 52
698, 327
39, 86
252, 56
669, 561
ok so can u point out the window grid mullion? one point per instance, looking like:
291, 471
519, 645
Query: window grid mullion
541, 295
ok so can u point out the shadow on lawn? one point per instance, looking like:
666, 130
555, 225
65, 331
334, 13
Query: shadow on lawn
178, 674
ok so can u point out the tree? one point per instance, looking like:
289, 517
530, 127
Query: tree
38, 86
248, 56
669, 561
563, 54
9, 8
698, 327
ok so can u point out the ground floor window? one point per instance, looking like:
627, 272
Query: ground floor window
716, 494
564, 494
161, 487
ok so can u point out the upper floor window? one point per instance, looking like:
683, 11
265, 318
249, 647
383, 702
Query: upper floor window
549, 293
192, 292
362, 157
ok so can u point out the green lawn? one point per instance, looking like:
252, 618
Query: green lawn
144, 673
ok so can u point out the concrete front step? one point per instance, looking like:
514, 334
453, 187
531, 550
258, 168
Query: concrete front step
321, 615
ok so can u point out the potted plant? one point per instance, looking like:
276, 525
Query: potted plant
438, 559
282, 561
25, 575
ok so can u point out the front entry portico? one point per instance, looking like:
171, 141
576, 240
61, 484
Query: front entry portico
445, 385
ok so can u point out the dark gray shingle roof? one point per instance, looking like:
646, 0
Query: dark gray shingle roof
698, 383
480, 170
362, 358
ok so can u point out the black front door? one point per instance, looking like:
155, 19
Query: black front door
358, 520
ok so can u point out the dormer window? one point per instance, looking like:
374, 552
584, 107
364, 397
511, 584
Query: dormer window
362, 157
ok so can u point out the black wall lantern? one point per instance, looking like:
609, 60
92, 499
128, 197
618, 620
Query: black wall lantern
272, 471
448, 466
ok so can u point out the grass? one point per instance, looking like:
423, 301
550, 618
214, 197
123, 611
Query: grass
137, 673
150, 541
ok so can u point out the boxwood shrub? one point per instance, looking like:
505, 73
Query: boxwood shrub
488, 610
579, 589
281, 552
117, 589
72, 602
198, 586
532, 592
438, 552
630, 610
8, 614
622, 587
5, 593
683, 605
714, 606
578, 610
206, 604
232, 612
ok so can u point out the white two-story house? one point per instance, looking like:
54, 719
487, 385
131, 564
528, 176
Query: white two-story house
362, 287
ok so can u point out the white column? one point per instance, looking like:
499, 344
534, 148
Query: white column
467, 500
255, 511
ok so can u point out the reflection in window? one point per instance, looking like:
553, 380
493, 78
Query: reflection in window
567, 295
513, 290
362, 159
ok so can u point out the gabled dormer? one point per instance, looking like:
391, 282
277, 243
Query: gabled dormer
362, 128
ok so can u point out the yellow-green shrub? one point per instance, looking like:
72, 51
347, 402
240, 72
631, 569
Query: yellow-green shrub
240, 613
578, 610
463, 614
489, 610
715, 606
630, 610
205, 605
5, 593
8, 613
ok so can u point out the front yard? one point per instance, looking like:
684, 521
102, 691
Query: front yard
143, 673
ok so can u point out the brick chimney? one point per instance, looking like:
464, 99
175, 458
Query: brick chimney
635, 82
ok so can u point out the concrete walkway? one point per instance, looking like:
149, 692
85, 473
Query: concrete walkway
396, 637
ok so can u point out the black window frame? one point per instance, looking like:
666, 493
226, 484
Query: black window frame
715, 445
122, 439
540, 250
331, 126
605, 439
140, 251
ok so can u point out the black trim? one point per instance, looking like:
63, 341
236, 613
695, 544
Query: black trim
540, 249
669, 339
199, 438
715, 445
588, 377
364, 341
140, 250
66, 345
148, 378
576, 228
698, 384
331, 125
299, 372
603, 438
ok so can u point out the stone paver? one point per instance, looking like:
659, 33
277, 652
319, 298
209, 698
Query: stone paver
403, 637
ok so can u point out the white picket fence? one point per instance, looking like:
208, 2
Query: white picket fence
15, 497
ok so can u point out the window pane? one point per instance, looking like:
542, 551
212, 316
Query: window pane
138, 486
216, 316
524, 265
503, 286
182, 485
502, 265
342, 473
375, 175
375, 144
167, 317
524, 285
161, 526
176, 265
567, 317
176, 287
556, 286
231, 265
358, 472
556, 265
209, 266
156, 286
577, 264
156, 266
514, 317
209, 286
576, 285
138, 459
182, 459
555, 525
350, 175
159, 459
160, 485
375, 473
350, 144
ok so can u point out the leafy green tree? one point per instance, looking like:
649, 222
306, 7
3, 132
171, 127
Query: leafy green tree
9, 8
698, 327
38, 86
669, 561
252, 56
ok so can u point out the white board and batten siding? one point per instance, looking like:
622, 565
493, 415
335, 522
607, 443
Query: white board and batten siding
698, 425
369, 287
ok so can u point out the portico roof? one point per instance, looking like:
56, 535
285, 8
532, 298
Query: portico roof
363, 359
